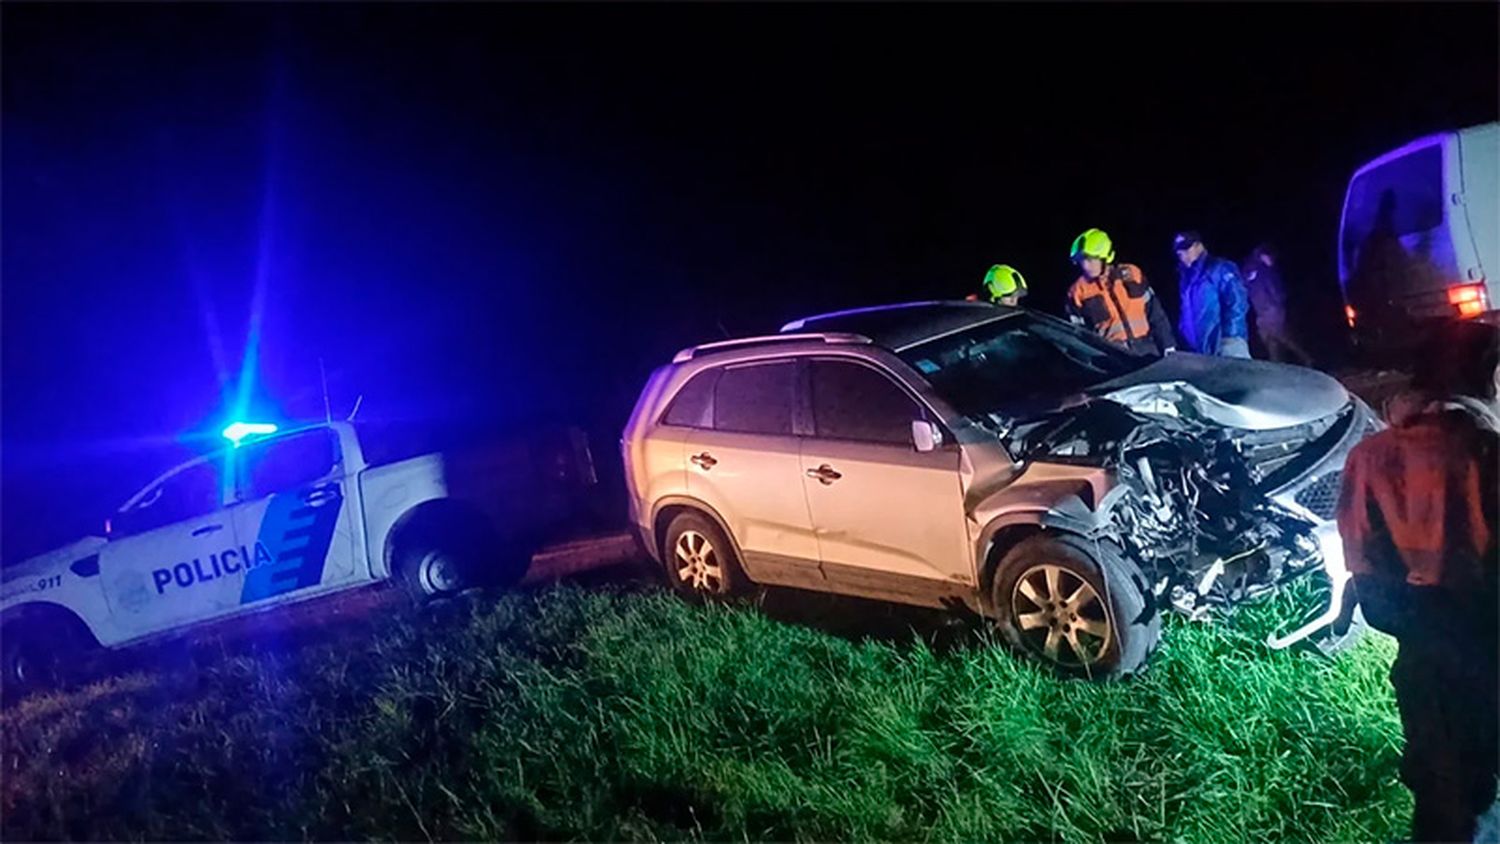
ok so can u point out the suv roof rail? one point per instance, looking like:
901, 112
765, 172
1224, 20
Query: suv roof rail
830, 337
800, 324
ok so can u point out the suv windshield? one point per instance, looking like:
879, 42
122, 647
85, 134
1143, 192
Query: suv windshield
1016, 363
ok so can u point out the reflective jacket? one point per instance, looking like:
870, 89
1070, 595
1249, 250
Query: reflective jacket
1121, 307
1213, 304
1417, 514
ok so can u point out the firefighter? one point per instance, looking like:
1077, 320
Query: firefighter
1114, 299
1003, 285
1418, 518
1214, 302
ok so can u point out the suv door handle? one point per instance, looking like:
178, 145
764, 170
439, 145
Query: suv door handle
705, 460
207, 529
825, 474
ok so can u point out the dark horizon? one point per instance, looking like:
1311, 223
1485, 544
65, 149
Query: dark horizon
510, 213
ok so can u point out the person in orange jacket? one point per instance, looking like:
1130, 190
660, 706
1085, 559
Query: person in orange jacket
1417, 514
1115, 301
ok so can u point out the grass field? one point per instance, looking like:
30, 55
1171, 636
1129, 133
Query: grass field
622, 713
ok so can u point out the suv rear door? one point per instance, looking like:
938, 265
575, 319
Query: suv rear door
746, 465
889, 519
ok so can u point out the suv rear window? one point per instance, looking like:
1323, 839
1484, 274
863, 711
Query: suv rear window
693, 407
756, 399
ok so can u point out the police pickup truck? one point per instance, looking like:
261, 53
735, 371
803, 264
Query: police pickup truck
291, 517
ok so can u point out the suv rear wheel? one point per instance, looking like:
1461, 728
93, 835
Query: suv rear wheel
700, 561
1076, 605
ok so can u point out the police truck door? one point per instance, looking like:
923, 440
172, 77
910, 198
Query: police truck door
167, 548
297, 509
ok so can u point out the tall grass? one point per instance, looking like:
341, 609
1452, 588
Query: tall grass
625, 714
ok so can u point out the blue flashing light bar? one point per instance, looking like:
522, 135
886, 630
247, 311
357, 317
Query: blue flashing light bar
236, 432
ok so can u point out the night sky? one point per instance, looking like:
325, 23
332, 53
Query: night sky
512, 213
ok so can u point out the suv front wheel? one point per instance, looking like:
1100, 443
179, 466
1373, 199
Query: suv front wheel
1076, 605
700, 561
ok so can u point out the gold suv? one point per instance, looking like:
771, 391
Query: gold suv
951, 453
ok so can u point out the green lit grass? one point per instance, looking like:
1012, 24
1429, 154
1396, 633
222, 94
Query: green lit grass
626, 714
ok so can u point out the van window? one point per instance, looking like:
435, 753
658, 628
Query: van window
1401, 197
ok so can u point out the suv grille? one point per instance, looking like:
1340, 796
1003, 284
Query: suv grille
1321, 497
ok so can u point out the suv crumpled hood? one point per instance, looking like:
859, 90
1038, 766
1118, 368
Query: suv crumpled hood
1248, 394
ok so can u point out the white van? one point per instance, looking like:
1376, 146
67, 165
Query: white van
1417, 239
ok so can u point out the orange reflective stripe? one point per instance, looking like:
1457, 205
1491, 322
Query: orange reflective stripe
1127, 318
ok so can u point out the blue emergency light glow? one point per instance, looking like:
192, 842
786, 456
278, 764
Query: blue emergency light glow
238, 431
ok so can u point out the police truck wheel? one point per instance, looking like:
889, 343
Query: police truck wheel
1075, 605
29, 666
436, 565
700, 561
438, 571
443, 553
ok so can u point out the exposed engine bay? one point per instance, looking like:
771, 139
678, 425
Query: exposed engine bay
1192, 505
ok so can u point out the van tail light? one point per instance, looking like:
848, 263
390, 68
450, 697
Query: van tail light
1349, 315
1470, 300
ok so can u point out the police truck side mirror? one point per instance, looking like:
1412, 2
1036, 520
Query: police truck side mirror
925, 435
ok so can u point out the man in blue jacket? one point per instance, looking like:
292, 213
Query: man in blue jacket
1214, 301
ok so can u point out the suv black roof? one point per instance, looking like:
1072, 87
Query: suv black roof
899, 326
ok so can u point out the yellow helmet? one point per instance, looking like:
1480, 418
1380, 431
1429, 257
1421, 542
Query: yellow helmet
1003, 280
1094, 243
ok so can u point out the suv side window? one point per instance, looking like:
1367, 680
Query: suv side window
693, 406
286, 463
854, 402
195, 491
756, 399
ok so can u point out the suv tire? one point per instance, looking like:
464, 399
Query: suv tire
1077, 605
699, 560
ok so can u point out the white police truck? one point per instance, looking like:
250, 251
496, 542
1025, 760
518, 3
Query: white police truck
288, 518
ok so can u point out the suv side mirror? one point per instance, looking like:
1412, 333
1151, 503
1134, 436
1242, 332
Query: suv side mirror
925, 435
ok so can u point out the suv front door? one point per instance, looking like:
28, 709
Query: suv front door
889, 519
746, 465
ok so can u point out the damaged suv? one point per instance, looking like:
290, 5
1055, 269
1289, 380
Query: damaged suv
974, 456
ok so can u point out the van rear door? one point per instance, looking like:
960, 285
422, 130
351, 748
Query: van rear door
1479, 153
